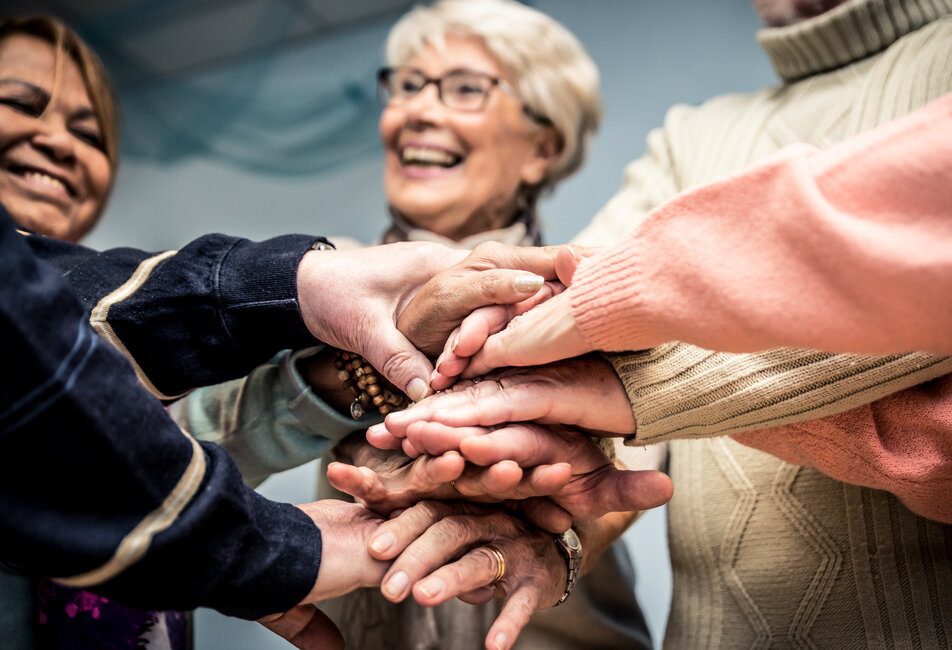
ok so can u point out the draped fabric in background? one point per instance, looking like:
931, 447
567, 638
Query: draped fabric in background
257, 85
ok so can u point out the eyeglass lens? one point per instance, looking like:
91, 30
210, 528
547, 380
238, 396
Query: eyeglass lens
459, 89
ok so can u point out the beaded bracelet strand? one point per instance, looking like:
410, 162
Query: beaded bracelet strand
360, 377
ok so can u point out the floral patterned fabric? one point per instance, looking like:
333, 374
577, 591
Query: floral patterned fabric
73, 619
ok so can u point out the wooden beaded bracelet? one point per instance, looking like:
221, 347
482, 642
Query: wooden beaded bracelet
369, 393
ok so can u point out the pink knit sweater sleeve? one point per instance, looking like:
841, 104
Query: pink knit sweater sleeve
901, 444
848, 249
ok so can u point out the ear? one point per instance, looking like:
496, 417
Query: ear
546, 148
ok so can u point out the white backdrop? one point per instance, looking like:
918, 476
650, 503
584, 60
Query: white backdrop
651, 55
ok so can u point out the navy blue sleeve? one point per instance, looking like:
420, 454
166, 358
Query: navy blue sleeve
210, 312
98, 487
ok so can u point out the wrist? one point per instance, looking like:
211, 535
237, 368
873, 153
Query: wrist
570, 547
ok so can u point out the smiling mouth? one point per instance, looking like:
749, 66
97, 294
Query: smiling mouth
36, 175
426, 157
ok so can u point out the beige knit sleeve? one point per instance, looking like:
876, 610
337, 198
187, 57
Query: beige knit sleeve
681, 391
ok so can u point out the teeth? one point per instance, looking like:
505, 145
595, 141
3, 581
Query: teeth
425, 156
46, 180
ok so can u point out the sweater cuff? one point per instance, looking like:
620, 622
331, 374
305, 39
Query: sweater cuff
258, 285
605, 300
313, 412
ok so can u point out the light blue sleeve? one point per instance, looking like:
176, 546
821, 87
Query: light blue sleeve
269, 421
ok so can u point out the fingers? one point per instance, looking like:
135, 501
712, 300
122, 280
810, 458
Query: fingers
568, 259
472, 572
443, 302
622, 491
546, 514
393, 536
306, 627
528, 445
400, 362
534, 259
541, 335
427, 477
513, 617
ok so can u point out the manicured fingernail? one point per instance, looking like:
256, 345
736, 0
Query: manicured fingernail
416, 389
395, 585
382, 542
528, 283
456, 340
501, 641
432, 587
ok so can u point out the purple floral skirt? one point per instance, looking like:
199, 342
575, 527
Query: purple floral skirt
72, 619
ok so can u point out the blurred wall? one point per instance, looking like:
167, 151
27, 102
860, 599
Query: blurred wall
651, 55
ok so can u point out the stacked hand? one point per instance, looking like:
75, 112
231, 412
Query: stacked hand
356, 299
518, 447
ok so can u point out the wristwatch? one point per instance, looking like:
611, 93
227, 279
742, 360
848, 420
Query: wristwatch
570, 546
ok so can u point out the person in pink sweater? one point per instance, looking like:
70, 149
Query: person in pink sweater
846, 249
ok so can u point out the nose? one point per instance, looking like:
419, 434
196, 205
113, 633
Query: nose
425, 106
54, 139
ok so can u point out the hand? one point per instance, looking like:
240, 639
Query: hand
385, 481
441, 551
351, 300
583, 392
345, 565
484, 277
577, 478
539, 334
305, 627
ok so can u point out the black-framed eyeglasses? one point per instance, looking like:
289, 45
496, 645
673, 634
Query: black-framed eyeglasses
461, 90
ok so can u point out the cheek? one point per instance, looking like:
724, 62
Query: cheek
100, 178
390, 122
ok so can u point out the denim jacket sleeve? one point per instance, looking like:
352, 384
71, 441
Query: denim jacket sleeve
98, 487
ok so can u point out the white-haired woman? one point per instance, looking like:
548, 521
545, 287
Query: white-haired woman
488, 104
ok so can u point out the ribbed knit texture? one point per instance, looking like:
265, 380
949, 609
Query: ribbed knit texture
813, 248
766, 553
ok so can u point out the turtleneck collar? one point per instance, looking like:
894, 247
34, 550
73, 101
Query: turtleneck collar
845, 34
524, 231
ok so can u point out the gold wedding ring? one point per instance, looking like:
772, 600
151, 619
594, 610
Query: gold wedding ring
500, 564
453, 485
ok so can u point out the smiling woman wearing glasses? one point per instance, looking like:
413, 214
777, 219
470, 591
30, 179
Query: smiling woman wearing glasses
486, 106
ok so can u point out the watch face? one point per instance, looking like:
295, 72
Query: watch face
571, 540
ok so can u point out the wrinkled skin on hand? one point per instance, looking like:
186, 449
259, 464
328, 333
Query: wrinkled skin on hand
584, 392
554, 475
440, 553
346, 564
487, 276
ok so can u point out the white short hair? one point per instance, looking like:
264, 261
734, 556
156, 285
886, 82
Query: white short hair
544, 61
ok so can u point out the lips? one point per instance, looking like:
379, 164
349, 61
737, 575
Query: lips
43, 177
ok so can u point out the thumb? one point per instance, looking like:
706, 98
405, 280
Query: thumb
400, 363
568, 258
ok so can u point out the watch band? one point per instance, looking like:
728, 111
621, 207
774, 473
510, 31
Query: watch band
570, 546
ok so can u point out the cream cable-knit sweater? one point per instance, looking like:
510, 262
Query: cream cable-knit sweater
766, 553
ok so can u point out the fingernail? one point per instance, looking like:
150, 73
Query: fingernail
456, 338
501, 641
432, 587
382, 542
528, 283
395, 585
416, 389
